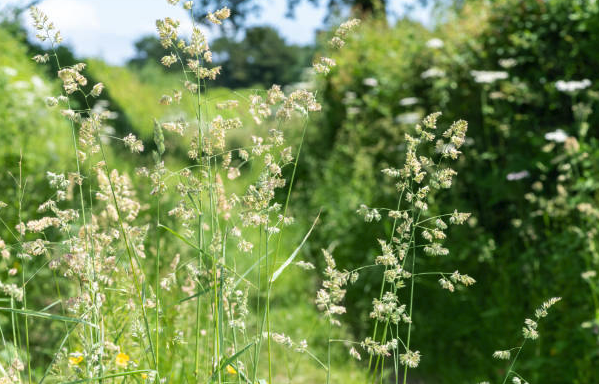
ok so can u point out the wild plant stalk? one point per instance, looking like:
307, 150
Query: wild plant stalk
416, 181
382, 289
46, 33
258, 199
157, 286
529, 332
271, 271
73, 81
210, 223
23, 266
13, 322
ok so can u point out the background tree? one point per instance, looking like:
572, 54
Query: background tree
148, 50
241, 9
261, 58
358, 6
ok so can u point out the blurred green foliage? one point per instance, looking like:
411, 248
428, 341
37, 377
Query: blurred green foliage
531, 238
242, 9
31, 134
520, 253
261, 58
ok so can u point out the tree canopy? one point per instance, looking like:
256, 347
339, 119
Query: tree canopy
261, 58
241, 9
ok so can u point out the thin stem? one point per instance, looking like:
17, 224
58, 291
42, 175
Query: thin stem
329, 355
157, 319
405, 372
507, 374
399, 200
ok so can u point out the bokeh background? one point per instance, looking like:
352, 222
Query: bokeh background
530, 174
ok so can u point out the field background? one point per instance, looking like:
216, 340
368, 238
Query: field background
530, 238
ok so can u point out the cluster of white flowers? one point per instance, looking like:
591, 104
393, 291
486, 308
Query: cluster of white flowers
508, 63
408, 101
368, 214
488, 77
455, 278
559, 136
410, 359
72, 78
517, 175
432, 73
572, 85
370, 82
435, 43
502, 355
373, 347
97, 90
324, 65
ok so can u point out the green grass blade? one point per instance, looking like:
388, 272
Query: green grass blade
294, 254
62, 343
229, 360
122, 374
201, 293
48, 316
181, 237
50, 306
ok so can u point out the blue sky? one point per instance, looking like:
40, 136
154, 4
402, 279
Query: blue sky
108, 28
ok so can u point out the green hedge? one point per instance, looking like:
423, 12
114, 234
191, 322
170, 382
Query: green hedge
526, 243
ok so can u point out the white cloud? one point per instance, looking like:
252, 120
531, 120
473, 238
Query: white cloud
72, 16
108, 28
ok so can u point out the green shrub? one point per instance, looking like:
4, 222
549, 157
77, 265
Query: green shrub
387, 78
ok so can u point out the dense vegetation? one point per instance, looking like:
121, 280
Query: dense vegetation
519, 72
529, 177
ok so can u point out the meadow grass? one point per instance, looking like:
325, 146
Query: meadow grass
188, 271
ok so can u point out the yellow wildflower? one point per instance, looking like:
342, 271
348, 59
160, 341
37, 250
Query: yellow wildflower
144, 376
122, 359
231, 370
75, 358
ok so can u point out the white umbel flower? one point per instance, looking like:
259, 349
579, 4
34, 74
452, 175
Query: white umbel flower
435, 43
572, 85
559, 136
488, 77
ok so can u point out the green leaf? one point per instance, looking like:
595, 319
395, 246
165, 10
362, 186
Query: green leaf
48, 316
294, 254
229, 360
181, 237
56, 354
200, 293
109, 376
